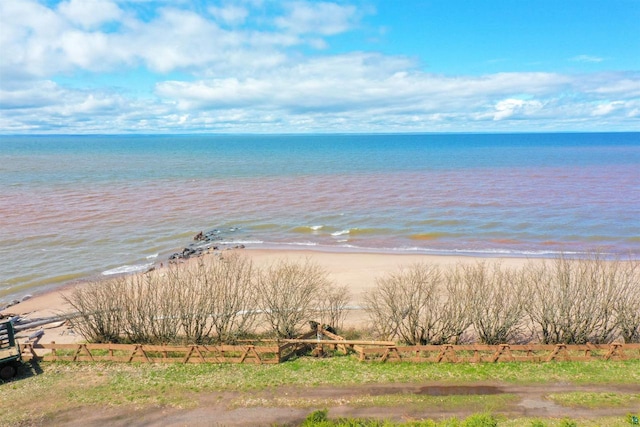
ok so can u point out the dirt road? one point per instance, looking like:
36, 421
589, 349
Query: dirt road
282, 405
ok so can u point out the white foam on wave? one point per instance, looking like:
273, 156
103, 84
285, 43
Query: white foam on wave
303, 244
239, 242
316, 227
484, 252
340, 233
350, 246
127, 269
289, 244
154, 256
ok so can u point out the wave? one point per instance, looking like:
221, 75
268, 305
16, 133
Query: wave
489, 252
342, 245
367, 231
239, 242
430, 236
303, 244
307, 229
264, 226
127, 269
153, 256
438, 222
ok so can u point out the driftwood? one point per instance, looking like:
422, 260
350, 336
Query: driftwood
22, 325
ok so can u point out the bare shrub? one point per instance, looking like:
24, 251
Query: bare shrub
232, 303
211, 299
189, 301
402, 302
627, 307
186, 303
496, 302
573, 300
455, 316
418, 305
152, 312
98, 306
332, 305
287, 292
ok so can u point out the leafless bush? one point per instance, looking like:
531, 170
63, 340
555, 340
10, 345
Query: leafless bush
150, 312
233, 299
496, 302
98, 307
418, 305
574, 301
332, 305
627, 307
287, 292
455, 316
189, 303
402, 303
561, 301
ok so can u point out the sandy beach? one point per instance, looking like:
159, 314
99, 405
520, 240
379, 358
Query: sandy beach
357, 271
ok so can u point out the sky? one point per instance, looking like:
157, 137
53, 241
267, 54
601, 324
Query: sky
366, 66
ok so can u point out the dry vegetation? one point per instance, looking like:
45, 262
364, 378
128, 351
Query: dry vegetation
570, 301
214, 300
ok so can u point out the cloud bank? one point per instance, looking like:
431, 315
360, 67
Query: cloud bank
102, 66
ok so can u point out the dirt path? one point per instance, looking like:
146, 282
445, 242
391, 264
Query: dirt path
265, 408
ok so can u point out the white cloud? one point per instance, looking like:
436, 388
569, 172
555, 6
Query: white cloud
508, 108
607, 108
235, 67
317, 18
90, 13
230, 14
30, 96
586, 58
358, 81
42, 42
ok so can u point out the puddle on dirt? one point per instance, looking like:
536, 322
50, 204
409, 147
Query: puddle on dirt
452, 390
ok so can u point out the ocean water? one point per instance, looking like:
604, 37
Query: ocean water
76, 206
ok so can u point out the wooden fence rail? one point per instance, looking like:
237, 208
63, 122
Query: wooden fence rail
267, 351
498, 353
153, 353
367, 351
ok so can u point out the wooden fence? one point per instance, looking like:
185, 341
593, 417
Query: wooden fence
153, 353
277, 351
269, 351
498, 353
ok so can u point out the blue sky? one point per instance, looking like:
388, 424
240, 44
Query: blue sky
261, 66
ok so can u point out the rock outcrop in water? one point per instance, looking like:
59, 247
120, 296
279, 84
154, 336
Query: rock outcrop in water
212, 240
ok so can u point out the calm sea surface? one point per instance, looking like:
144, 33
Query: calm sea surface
76, 206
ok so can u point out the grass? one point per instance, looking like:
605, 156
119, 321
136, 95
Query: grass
320, 418
66, 386
595, 400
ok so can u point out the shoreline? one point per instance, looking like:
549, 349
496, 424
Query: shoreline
357, 271
143, 262
164, 257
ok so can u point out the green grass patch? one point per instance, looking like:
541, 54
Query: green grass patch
595, 400
320, 419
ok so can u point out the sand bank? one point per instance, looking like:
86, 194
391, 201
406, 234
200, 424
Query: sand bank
357, 271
